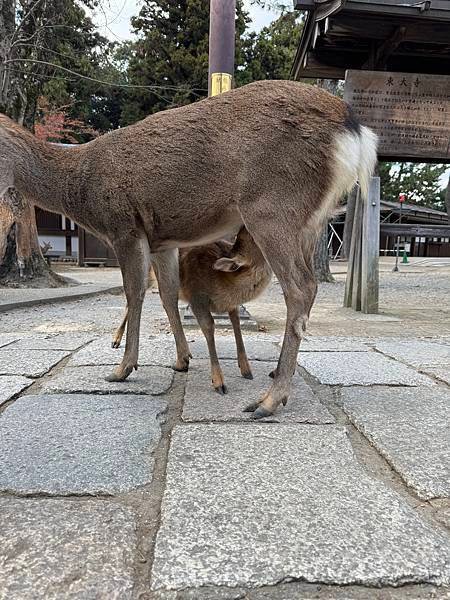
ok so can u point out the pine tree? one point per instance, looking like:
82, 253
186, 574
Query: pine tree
422, 183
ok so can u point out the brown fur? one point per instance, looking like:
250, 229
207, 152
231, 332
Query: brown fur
258, 155
218, 278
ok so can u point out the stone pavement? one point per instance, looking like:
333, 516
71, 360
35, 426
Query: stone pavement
159, 488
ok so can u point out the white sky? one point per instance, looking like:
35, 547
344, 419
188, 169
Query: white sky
113, 19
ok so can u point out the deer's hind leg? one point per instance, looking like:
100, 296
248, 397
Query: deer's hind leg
134, 260
243, 363
200, 308
291, 261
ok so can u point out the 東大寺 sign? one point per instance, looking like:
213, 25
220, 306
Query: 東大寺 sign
410, 112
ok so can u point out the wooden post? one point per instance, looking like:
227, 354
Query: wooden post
370, 249
353, 255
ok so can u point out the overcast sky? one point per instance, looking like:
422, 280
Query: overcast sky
113, 19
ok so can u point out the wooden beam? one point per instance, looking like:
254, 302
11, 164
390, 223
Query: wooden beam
412, 230
385, 49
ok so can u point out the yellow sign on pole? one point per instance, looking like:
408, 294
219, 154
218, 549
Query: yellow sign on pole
220, 82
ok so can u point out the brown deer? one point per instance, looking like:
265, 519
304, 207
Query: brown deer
218, 278
275, 156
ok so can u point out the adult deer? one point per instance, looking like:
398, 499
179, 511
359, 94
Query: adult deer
275, 156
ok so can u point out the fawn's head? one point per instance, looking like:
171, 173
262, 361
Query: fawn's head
244, 253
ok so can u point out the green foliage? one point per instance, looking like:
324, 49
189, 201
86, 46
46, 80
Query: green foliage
171, 52
420, 182
50, 35
269, 54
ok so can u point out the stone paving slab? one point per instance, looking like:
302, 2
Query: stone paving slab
410, 427
359, 368
258, 347
157, 350
442, 374
58, 549
7, 338
256, 504
10, 385
30, 363
417, 353
333, 344
65, 341
66, 445
91, 380
202, 403
20, 298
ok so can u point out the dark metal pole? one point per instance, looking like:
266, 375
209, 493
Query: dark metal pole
221, 46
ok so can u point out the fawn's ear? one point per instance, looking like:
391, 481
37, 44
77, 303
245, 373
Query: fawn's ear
226, 264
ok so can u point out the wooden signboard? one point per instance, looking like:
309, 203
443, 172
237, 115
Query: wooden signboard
410, 112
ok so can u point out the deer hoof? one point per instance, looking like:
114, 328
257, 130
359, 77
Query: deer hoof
221, 389
261, 413
180, 368
115, 344
273, 374
115, 377
251, 407
247, 375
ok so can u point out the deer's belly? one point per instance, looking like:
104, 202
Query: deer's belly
202, 232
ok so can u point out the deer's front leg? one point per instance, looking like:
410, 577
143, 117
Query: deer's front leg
168, 276
134, 260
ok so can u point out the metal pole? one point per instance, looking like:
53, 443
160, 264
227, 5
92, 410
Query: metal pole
221, 46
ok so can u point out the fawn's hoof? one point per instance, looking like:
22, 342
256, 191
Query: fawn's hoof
115, 344
251, 407
221, 389
273, 374
261, 413
248, 375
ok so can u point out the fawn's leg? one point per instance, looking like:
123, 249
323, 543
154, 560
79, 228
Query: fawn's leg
168, 276
134, 260
117, 337
200, 308
243, 363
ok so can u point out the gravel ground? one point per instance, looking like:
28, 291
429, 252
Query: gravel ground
415, 301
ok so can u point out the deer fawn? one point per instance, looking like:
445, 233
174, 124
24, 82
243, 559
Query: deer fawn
275, 156
218, 278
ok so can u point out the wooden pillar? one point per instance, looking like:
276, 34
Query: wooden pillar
362, 283
370, 249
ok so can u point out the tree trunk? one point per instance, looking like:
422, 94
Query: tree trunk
21, 260
321, 258
348, 223
7, 25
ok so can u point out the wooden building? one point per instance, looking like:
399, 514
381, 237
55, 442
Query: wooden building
411, 36
419, 233
58, 231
